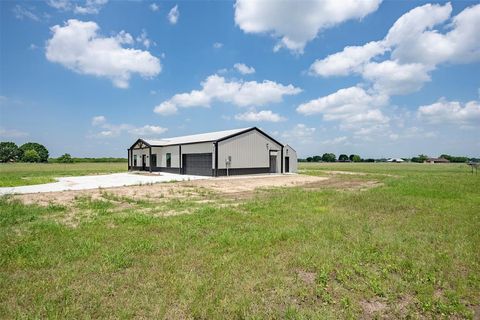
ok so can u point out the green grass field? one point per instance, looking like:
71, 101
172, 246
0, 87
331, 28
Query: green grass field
408, 248
21, 174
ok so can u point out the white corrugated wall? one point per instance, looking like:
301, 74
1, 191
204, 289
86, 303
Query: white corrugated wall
292, 154
161, 153
248, 150
139, 153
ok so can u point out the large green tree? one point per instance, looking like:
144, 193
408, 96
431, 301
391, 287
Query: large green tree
40, 149
9, 152
328, 157
342, 157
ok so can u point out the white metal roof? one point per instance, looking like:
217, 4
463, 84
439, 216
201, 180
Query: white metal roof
202, 137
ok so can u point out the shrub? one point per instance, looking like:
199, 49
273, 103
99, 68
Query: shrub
42, 152
355, 158
8, 152
31, 156
420, 159
66, 158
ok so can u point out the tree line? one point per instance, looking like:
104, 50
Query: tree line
331, 157
27, 152
36, 152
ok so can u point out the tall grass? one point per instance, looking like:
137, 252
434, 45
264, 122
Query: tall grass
406, 249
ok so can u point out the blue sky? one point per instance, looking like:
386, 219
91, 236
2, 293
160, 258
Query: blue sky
380, 79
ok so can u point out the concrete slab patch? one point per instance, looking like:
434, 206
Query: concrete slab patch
99, 181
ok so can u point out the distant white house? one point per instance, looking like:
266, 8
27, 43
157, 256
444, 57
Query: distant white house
395, 160
221, 153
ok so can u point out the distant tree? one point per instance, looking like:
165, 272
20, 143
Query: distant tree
8, 152
66, 158
459, 159
369, 160
446, 156
309, 159
454, 159
42, 152
329, 157
343, 157
317, 158
31, 155
355, 158
420, 159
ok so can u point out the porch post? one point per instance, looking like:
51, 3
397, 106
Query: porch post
150, 158
281, 162
180, 171
128, 159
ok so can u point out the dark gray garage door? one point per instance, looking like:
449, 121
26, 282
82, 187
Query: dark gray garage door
199, 164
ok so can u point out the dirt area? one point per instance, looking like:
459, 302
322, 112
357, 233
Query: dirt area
232, 188
373, 309
343, 184
345, 172
227, 186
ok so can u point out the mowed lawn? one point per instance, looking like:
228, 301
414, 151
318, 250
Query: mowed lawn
406, 248
22, 174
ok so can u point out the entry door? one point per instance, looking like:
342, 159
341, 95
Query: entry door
287, 164
144, 162
273, 164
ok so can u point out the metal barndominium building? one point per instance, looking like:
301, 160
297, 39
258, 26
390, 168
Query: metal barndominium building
232, 152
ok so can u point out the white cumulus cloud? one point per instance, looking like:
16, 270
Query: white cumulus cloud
295, 23
173, 15
353, 107
264, 115
239, 93
390, 77
350, 60
415, 49
78, 47
451, 112
98, 120
148, 130
154, 7
243, 68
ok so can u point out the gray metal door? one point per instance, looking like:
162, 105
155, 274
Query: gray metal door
198, 164
273, 164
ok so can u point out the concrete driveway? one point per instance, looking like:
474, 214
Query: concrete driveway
99, 181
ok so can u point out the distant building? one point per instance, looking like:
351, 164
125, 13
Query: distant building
437, 160
395, 160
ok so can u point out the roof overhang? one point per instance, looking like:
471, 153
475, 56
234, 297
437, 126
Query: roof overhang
141, 141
